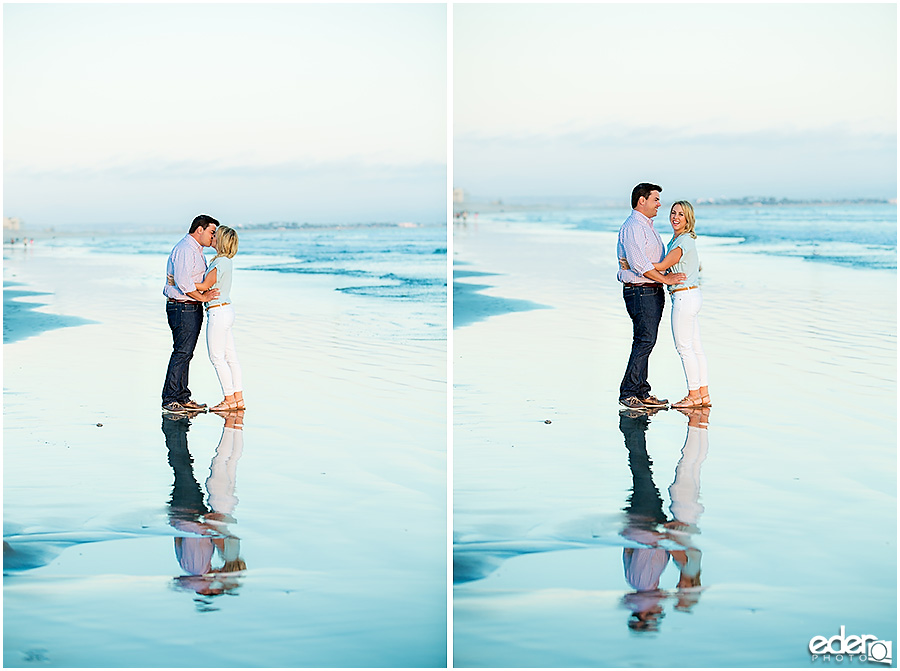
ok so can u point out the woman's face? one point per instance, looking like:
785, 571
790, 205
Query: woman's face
678, 219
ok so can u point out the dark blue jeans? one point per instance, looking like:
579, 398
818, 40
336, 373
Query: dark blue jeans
645, 307
185, 320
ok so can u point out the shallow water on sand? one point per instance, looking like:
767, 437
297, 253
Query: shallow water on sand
314, 536
599, 539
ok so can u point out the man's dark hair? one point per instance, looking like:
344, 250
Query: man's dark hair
643, 190
202, 221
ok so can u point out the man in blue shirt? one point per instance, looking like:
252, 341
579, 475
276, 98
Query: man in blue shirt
639, 247
184, 310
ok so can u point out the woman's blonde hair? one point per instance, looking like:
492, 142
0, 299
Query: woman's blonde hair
689, 219
226, 242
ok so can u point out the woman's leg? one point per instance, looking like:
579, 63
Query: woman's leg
702, 371
216, 335
682, 333
231, 357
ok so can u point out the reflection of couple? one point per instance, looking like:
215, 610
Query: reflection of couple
205, 526
647, 525
642, 261
190, 288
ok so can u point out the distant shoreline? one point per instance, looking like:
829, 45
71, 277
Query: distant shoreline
81, 230
498, 205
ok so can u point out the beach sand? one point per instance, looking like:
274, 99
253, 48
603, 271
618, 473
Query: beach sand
340, 485
797, 486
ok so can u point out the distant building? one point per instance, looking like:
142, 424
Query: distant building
458, 195
11, 224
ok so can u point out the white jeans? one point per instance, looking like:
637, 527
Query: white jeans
686, 332
220, 343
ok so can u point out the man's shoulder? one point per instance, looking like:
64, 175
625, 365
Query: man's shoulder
632, 218
186, 243
630, 223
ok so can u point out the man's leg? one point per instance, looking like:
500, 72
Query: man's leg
185, 321
193, 324
645, 307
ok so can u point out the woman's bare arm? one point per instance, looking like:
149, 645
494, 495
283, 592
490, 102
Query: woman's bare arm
208, 281
671, 259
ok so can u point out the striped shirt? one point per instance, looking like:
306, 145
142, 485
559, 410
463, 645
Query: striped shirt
184, 269
640, 246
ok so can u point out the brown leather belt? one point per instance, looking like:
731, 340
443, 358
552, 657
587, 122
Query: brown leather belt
217, 305
672, 291
172, 300
648, 285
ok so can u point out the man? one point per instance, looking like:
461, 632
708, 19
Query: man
184, 309
639, 247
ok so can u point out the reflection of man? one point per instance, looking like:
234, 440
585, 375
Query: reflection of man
186, 507
643, 514
184, 310
639, 247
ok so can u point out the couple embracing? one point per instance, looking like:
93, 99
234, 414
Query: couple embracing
645, 267
191, 289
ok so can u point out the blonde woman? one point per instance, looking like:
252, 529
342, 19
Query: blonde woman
681, 256
220, 320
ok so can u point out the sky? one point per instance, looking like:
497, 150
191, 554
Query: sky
143, 114
708, 100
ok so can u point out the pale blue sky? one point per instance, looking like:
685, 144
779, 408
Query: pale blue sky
148, 113
706, 99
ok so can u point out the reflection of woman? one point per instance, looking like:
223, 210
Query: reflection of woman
220, 320
686, 508
681, 256
220, 486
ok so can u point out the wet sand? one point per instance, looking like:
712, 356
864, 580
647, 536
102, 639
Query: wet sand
793, 496
335, 500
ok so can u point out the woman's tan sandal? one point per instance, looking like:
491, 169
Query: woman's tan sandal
688, 402
706, 402
224, 406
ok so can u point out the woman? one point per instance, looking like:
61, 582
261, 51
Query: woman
220, 319
681, 257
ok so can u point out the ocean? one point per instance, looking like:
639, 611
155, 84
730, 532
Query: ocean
862, 235
382, 261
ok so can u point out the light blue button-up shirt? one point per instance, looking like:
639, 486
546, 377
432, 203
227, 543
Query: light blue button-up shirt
640, 245
184, 269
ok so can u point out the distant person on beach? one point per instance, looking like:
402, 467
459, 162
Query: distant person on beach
639, 247
220, 320
184, 271
681, 256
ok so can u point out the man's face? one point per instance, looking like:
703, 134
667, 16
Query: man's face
649, 206
207, 236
